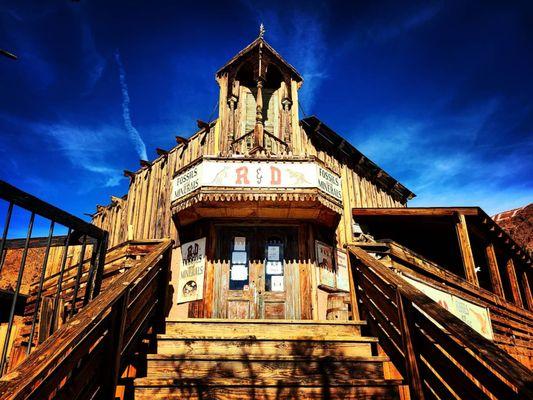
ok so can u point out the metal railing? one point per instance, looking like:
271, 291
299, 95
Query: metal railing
85, 358
85, 273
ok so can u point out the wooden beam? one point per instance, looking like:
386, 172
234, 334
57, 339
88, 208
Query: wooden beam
513, 281
161, 152
145, 164
203, 125
130, 175
494, 271
418, 211
527, 291
466, 249
181, 140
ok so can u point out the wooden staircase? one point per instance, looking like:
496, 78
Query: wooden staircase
264, 359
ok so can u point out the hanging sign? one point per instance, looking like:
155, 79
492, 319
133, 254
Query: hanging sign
477, 317
256, 174
342, 278
326, 268
191, 273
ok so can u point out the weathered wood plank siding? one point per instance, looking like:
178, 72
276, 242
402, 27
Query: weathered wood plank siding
144, 213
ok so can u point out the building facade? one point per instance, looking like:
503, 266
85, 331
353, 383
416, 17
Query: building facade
267, 190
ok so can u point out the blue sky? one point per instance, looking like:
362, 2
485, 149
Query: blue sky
439, 94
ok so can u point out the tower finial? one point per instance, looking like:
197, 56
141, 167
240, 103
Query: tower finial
261, 30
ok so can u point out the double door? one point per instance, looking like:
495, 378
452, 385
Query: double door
257, 273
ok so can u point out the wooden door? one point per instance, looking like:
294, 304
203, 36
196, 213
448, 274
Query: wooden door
256, 275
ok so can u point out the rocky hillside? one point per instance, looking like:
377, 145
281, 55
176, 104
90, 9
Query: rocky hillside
519, 224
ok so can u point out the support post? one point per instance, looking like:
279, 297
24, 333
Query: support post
513, 281
527, 291
407, 328
494, 271
116, 338
465, 249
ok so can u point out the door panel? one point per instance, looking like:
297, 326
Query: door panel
238, 309
274, 310
258, 272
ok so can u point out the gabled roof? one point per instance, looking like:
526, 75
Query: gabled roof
241, 54
336, 144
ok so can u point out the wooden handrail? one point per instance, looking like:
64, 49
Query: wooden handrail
436, 351
83, 358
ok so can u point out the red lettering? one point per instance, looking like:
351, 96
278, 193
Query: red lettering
242, 176
275, 176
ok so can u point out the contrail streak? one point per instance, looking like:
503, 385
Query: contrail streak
140, 147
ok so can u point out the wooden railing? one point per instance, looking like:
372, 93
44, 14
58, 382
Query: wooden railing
439, 355
84, 358
89, 238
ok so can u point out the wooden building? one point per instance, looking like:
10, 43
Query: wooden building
261, 176
265, 257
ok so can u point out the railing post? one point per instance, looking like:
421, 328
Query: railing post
116, 339
101, 262
407, 328
3, 360
164, 264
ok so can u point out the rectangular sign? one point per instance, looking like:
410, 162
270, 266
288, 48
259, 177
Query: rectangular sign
343, 280
256, 174
477, 317
191, 274
326, 268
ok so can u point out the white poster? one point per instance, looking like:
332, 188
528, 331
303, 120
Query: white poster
192, 268
273, 253
326, 269
240, 243
343, 280
274, 267
239, 272
477, 317
276, 283
256, 174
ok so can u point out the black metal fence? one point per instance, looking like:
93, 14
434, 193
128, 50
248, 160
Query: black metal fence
66, 290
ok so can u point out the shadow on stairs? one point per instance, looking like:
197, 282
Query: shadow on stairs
264, 359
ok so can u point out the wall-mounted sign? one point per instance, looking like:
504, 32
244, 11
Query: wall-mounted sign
342, 278
191, 274
326, 268
256, 174
478, 318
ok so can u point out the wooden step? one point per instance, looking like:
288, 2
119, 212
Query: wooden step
274, 329
151, 389
356, 346
266, 371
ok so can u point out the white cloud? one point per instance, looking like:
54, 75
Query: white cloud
88, 148
135, 136
444, 166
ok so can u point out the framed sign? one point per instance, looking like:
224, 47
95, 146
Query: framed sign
326, 268
191, 273
342, 278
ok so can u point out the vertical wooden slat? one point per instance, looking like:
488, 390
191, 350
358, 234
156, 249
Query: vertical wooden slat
466, 249
494, 271
527, 290
513, 281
